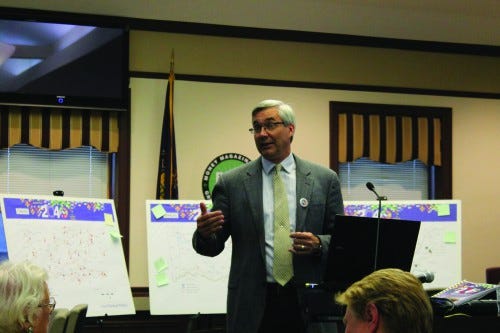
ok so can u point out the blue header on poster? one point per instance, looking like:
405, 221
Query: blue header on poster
3, 243
431, 212
57, 209
174, 212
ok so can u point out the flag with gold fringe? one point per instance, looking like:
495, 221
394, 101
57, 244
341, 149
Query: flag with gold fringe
166, 184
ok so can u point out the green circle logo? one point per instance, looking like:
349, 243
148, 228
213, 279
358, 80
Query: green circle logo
217, 166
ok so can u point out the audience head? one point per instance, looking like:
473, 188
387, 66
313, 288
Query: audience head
25, 305
387, 301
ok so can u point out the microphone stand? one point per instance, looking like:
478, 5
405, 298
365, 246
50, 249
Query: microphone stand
380, 199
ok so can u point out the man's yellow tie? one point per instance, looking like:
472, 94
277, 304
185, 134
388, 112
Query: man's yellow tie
282, 265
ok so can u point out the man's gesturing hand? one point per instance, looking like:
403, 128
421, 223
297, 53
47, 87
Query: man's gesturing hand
209, 223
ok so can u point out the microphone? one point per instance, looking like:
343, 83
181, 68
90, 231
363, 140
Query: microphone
371, 187
424, 277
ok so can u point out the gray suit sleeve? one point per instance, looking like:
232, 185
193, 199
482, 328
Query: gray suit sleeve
215, 244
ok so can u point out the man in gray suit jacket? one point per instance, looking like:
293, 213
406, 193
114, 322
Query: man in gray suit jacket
243, 206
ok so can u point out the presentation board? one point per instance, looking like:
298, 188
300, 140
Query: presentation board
439, 244
78, 242
182, 281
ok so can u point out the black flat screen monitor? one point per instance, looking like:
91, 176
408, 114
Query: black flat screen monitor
351, 254
63, 64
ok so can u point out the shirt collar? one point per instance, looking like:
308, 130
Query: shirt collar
287, 164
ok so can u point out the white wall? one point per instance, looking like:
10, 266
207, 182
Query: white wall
212, 118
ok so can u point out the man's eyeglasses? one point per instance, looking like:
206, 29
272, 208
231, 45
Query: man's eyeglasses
51, 304
269, 126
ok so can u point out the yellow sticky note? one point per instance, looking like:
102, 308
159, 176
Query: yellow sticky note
450, 237
158, 211
161, 279
443, 210
108, 219
160, 264
115, 234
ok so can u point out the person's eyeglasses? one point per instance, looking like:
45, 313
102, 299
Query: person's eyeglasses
269, 126
51, 304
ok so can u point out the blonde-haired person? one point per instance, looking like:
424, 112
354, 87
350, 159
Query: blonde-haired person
387, 301
25, 305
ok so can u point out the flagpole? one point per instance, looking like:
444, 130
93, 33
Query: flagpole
166, 184
172, 62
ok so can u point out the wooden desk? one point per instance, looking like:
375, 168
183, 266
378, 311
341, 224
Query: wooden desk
143, 322
467, 324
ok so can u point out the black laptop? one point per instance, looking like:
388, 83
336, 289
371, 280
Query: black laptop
352, 250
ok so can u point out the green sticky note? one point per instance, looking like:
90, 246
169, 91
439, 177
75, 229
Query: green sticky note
115, 234
160, 264
443, 210
108, 219
158, 211
450, 237
162, 279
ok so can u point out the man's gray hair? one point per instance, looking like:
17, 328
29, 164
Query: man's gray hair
285, 111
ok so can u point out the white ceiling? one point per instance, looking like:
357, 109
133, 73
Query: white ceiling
455, 21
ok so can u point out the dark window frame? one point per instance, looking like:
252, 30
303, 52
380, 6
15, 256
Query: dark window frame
443, 173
